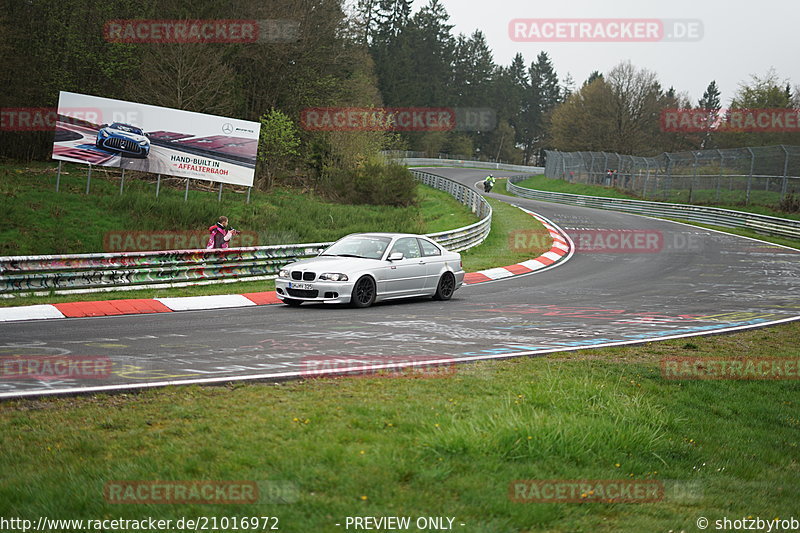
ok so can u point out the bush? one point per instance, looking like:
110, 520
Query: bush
790, 204
375, 183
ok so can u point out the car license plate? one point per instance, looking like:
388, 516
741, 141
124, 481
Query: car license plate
301, 286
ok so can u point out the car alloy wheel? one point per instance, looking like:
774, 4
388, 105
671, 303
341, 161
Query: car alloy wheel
446, 287
363, 292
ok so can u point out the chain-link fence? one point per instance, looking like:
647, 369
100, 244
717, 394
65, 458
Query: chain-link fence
762, 175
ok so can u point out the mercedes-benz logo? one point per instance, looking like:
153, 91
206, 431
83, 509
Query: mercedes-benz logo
227, 128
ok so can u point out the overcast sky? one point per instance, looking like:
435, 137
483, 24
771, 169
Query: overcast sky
740, 38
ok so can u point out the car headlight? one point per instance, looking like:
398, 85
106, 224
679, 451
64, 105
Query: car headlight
104, 134
330, 276
283, 273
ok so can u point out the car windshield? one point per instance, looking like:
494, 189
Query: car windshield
125, 127
368, 247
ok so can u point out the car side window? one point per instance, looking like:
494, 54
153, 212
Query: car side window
428, 248
407, 245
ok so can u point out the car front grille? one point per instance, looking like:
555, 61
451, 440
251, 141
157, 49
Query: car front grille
305, 276
301, 293
122, 144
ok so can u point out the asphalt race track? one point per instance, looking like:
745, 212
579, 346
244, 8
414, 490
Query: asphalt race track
685, 281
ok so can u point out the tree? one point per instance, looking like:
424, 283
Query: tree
543, 95
567, 86
619, 112
762, 92
278, 142
593, 76
710, 102
186, 77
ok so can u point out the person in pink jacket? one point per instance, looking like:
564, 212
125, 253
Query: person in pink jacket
220, 236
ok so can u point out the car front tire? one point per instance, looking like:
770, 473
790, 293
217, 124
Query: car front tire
363, 292
446, 287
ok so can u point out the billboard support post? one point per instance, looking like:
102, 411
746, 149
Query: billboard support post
88, 178
122, 182
219, 196
186, 194
58, 176
158, 185
248, 194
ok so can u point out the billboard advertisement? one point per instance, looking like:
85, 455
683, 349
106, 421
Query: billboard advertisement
115, 133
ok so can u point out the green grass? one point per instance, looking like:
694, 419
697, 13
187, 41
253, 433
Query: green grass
728, 199
498, 249
783, 241
42, 221
447, 446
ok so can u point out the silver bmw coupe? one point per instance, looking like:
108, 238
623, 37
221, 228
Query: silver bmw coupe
364, 268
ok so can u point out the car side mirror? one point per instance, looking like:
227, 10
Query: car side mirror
395, 256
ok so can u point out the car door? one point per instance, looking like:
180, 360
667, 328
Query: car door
406, 276
434, 263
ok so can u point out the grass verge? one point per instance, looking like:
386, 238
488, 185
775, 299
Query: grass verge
433, 447
545, 184
542, 183
43, 221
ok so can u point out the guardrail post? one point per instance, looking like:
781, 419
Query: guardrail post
88, 178
58, 176
719, 176
785, 172
750, 176
668, 181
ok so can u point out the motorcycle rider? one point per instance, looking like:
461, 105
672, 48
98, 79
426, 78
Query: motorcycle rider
488, 183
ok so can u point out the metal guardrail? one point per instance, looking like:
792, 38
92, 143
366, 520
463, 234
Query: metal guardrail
782, 227
463, 163
135, 270
468, 236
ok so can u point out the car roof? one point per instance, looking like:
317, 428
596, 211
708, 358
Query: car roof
380, 234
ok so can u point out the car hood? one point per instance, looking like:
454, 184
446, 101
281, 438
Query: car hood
126, 135
334, 264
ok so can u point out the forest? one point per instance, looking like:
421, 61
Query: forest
361, 54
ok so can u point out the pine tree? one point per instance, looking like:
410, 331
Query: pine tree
710, 102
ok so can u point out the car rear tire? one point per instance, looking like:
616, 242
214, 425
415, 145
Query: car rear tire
446, 287
363, 292
292, 302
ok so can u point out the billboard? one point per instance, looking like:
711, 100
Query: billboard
160, 140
